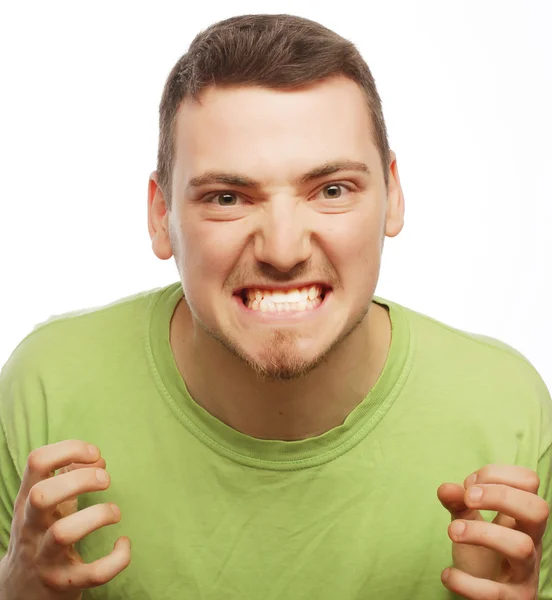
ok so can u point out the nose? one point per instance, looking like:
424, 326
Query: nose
282, 238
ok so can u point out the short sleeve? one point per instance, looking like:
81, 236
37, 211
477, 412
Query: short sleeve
23, 421
544, 471
9, 487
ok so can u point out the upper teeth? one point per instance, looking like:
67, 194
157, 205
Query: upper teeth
295, 295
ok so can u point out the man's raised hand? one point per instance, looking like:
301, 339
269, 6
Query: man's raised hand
41, 562
499, 559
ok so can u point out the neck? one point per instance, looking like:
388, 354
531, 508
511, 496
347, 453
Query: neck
280, 410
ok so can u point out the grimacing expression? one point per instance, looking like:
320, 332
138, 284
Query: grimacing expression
278, 216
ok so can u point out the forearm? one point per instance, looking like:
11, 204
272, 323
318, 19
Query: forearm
3, 583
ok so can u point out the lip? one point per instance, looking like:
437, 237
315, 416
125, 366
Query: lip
293, 316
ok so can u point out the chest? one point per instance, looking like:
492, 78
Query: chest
218, 533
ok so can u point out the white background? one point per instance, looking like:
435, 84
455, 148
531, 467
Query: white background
467, 95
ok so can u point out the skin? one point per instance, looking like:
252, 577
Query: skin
269, 372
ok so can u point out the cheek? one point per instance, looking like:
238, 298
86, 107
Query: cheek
209, 253
354, 245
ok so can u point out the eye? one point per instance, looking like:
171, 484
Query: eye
223, 199
333, 191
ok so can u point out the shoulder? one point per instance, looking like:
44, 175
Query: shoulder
67, 352
484, 352
61, 360
64, 337
491, 374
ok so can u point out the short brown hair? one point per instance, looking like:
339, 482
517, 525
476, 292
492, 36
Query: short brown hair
273, 51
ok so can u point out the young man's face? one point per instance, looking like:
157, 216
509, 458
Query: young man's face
277, 265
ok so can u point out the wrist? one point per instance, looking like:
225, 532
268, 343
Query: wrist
4, 588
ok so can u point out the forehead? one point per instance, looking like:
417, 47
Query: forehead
274, 131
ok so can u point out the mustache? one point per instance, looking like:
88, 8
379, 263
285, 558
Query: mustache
264, 274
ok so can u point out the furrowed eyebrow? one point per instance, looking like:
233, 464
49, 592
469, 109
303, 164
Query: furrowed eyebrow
222, 177
334, 167
234, 179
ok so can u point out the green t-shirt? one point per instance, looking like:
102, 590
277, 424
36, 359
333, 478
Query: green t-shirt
214, 514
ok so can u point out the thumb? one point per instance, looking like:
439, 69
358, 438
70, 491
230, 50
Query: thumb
451, 496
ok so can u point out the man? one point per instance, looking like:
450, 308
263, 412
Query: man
271, 428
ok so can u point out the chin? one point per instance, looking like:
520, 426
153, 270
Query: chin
282, 367
280, 359
276, 358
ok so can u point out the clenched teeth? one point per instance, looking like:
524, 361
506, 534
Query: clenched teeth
299, 299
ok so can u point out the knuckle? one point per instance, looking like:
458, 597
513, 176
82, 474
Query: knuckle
526, 548
53, 579
534, 481
58, 535
34, 461
545, 507
36, 497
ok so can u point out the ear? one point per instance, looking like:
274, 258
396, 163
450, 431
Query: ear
158, 220
394, 220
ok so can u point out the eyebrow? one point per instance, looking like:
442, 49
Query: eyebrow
235, 179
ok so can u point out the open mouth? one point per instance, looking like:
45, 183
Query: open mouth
301, 299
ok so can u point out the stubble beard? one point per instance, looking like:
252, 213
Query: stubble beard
280, 361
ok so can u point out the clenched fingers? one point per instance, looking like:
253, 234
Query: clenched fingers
45, 495
75, 527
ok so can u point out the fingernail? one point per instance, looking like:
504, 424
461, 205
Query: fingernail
458, 528
101, 476
445, 574
475, 494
